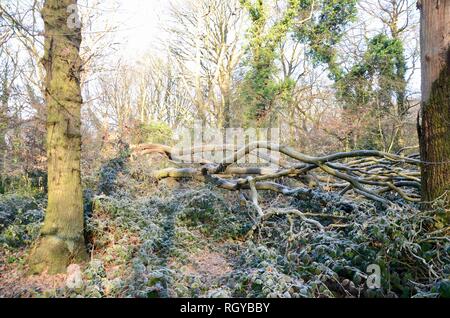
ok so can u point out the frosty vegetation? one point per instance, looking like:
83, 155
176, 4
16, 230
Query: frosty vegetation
96, 201
172, 237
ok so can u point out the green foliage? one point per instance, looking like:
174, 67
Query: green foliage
394, 239
20, 220
213, 217
112, 169
375, 82
260, 89
158, 236
260, 274
319, 24
443, 287
109, 173
324, 28
157, 132
147, 233
30, 184
383, 60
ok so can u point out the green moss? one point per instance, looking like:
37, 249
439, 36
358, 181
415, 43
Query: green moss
53, 254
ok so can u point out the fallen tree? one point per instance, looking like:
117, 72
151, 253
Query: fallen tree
367, 173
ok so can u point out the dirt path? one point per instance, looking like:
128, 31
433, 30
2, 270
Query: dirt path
207, 264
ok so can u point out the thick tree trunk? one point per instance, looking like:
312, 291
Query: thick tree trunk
434, 130
62, 237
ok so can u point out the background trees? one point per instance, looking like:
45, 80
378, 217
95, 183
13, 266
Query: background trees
206, 43
209, 56
22, 114
337, 74
378, 84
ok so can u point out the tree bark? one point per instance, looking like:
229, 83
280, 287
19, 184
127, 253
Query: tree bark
434, 129
4, 101
62, 236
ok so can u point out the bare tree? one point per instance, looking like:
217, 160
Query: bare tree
22, 75
206, 41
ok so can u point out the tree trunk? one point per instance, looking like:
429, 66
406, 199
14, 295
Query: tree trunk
4, 101
225, 89
434, 130
62, 236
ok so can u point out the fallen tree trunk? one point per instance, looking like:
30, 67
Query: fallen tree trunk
367, 173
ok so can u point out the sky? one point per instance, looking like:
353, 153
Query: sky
137, 23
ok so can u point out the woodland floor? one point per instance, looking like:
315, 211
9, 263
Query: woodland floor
210, 266
184, 239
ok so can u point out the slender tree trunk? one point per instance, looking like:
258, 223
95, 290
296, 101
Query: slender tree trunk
225, 88
434, 130
4, 118
62, 238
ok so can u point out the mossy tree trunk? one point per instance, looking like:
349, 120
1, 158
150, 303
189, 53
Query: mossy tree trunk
4, 100
434, 129
62, 236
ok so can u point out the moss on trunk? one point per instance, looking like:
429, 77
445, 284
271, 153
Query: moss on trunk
62, 237
434, 134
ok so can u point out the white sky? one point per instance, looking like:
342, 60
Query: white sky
137, 23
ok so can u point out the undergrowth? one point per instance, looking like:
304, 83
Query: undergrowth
191, 240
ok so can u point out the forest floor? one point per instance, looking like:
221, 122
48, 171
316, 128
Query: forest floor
209, 266
183, 239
